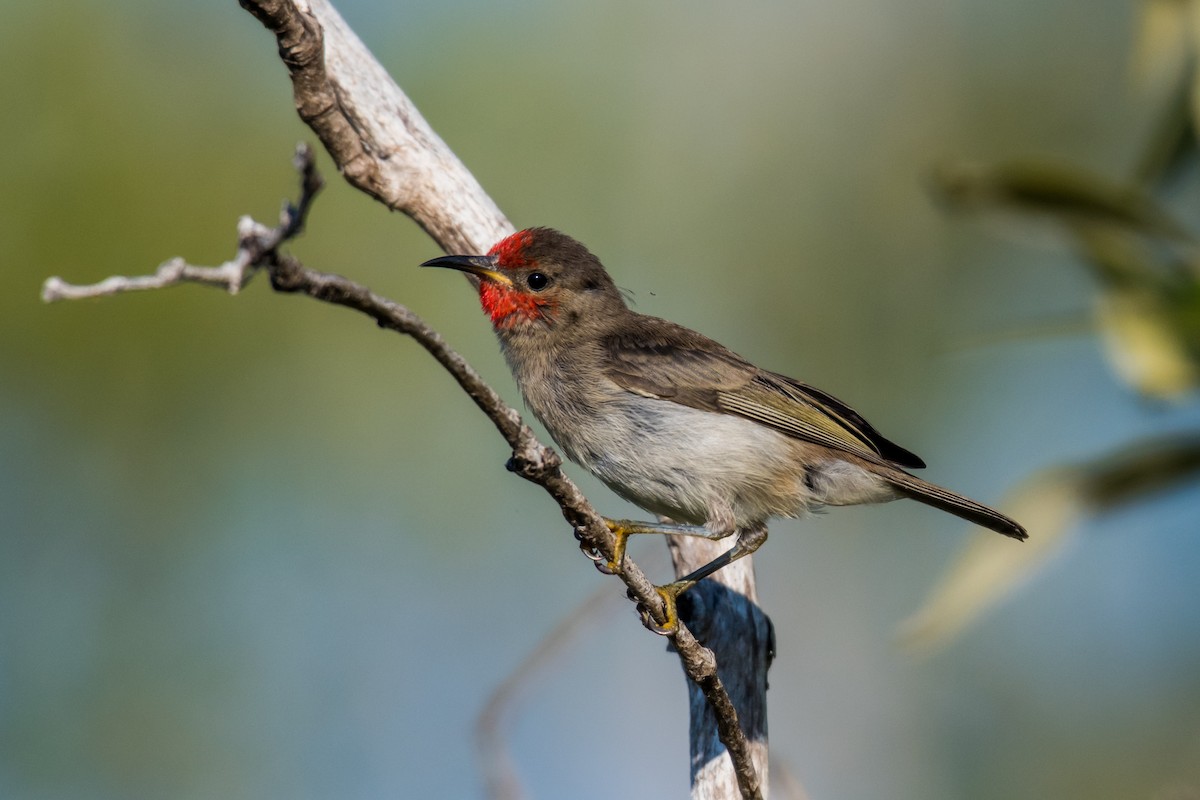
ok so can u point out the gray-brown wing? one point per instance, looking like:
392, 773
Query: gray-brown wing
655, 358
762, 401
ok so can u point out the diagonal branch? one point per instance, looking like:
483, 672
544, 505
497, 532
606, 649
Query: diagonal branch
259, 248
383, 146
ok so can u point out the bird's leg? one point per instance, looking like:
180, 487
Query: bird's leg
622, 529
749, 540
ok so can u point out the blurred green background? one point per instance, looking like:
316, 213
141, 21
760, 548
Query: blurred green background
253, 547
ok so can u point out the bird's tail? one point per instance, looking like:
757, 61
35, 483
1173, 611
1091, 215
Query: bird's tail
956, 504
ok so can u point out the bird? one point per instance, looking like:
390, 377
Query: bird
673, 421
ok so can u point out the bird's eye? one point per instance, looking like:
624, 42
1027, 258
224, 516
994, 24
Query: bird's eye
537, 281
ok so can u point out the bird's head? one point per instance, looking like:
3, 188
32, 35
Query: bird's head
539, 278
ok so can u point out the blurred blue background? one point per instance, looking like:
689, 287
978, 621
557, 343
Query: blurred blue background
253, 547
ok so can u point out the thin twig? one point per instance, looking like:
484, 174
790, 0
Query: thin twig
499, 775
255, 242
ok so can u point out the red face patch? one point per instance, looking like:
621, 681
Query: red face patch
507, 306
510, 251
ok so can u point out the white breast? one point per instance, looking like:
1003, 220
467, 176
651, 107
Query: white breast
689, 464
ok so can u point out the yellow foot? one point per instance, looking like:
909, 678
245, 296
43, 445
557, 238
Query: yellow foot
670, 595
620, 532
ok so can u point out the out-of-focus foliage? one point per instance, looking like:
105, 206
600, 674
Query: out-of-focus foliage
1145, 263
1051, 503
1145, 268
1074, 197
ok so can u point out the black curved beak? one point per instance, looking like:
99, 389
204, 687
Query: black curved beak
483, 266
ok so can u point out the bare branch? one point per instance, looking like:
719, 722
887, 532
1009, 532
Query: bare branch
380, 142
255, 243
232, 276
258, 248
384, 147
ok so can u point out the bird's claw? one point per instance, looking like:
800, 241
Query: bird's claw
605, 566
608, 566
670, 596
620, 532
591, 552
